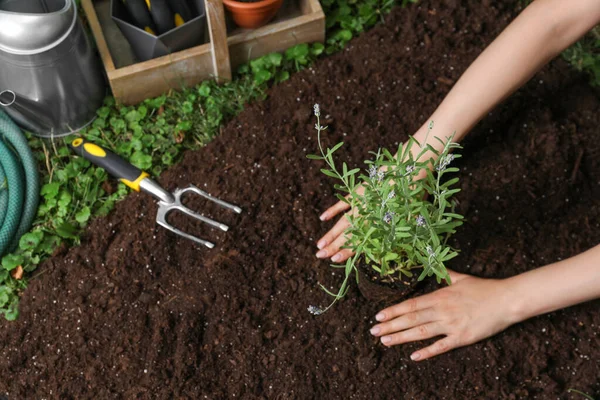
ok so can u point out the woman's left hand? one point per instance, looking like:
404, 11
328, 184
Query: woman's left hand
467, 311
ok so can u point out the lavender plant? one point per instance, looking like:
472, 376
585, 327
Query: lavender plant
402, 221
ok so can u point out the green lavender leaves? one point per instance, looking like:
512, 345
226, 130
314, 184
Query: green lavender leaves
405, 213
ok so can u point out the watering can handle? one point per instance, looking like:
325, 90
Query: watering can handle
109, 161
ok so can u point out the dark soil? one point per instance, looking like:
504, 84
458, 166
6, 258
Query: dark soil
137, 313
376, 288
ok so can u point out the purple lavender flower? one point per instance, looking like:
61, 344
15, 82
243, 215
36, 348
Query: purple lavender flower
444, 162
390, 196
430, 251
420, 220
387, 218
314, 310
372, 172
317, 110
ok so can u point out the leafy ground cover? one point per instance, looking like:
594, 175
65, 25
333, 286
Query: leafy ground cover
585, 56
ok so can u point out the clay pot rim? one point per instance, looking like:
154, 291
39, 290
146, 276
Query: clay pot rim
250, 6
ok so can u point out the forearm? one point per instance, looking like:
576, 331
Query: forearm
555, 286
537, 35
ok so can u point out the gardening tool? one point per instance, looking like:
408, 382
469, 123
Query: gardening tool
182, 11
139, 180
147, 46
48, 69
19, 185
140, 15
161, 15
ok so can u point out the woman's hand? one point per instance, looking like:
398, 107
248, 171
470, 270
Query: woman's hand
469, 310
330, 244
472, 309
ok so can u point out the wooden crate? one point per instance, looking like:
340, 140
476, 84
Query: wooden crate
301, 21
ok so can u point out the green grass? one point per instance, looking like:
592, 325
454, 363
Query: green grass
153, 135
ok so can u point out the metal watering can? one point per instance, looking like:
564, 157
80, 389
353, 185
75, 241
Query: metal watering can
51, 80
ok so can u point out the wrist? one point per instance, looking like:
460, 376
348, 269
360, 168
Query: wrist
435, 131
517, 307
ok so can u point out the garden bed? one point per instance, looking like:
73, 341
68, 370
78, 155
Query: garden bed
136, 312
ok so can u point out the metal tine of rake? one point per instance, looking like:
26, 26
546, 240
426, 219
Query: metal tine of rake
139, 180
164, 208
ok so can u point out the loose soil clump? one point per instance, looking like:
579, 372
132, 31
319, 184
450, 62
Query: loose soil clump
138, 313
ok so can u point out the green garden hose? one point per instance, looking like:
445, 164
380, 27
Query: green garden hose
19, 185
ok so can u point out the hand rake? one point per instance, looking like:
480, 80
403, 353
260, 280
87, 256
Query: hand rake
139, 180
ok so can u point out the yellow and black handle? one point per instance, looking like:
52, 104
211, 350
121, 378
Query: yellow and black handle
140, 15
182, 11
109, 161
161, 15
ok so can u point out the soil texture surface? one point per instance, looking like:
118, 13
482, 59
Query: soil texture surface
136, 312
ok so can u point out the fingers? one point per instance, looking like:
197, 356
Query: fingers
441, 346
334, 210
333, 248
404, 322
342, 255
408, 306
420, 332
336, 232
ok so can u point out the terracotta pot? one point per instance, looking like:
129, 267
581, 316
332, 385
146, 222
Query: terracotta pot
252, 15
373, 289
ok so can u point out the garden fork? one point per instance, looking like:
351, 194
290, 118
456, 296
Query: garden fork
139, 180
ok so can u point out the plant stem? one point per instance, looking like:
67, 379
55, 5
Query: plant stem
331, 164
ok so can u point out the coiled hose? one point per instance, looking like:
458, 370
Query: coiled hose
19, 185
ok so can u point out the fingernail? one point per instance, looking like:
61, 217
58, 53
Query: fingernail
324, 216
380, 316
386, 339
322, 243
375, 330
415, 356
336, 258
322, 254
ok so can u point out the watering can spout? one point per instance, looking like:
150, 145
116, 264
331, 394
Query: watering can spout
27, 113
